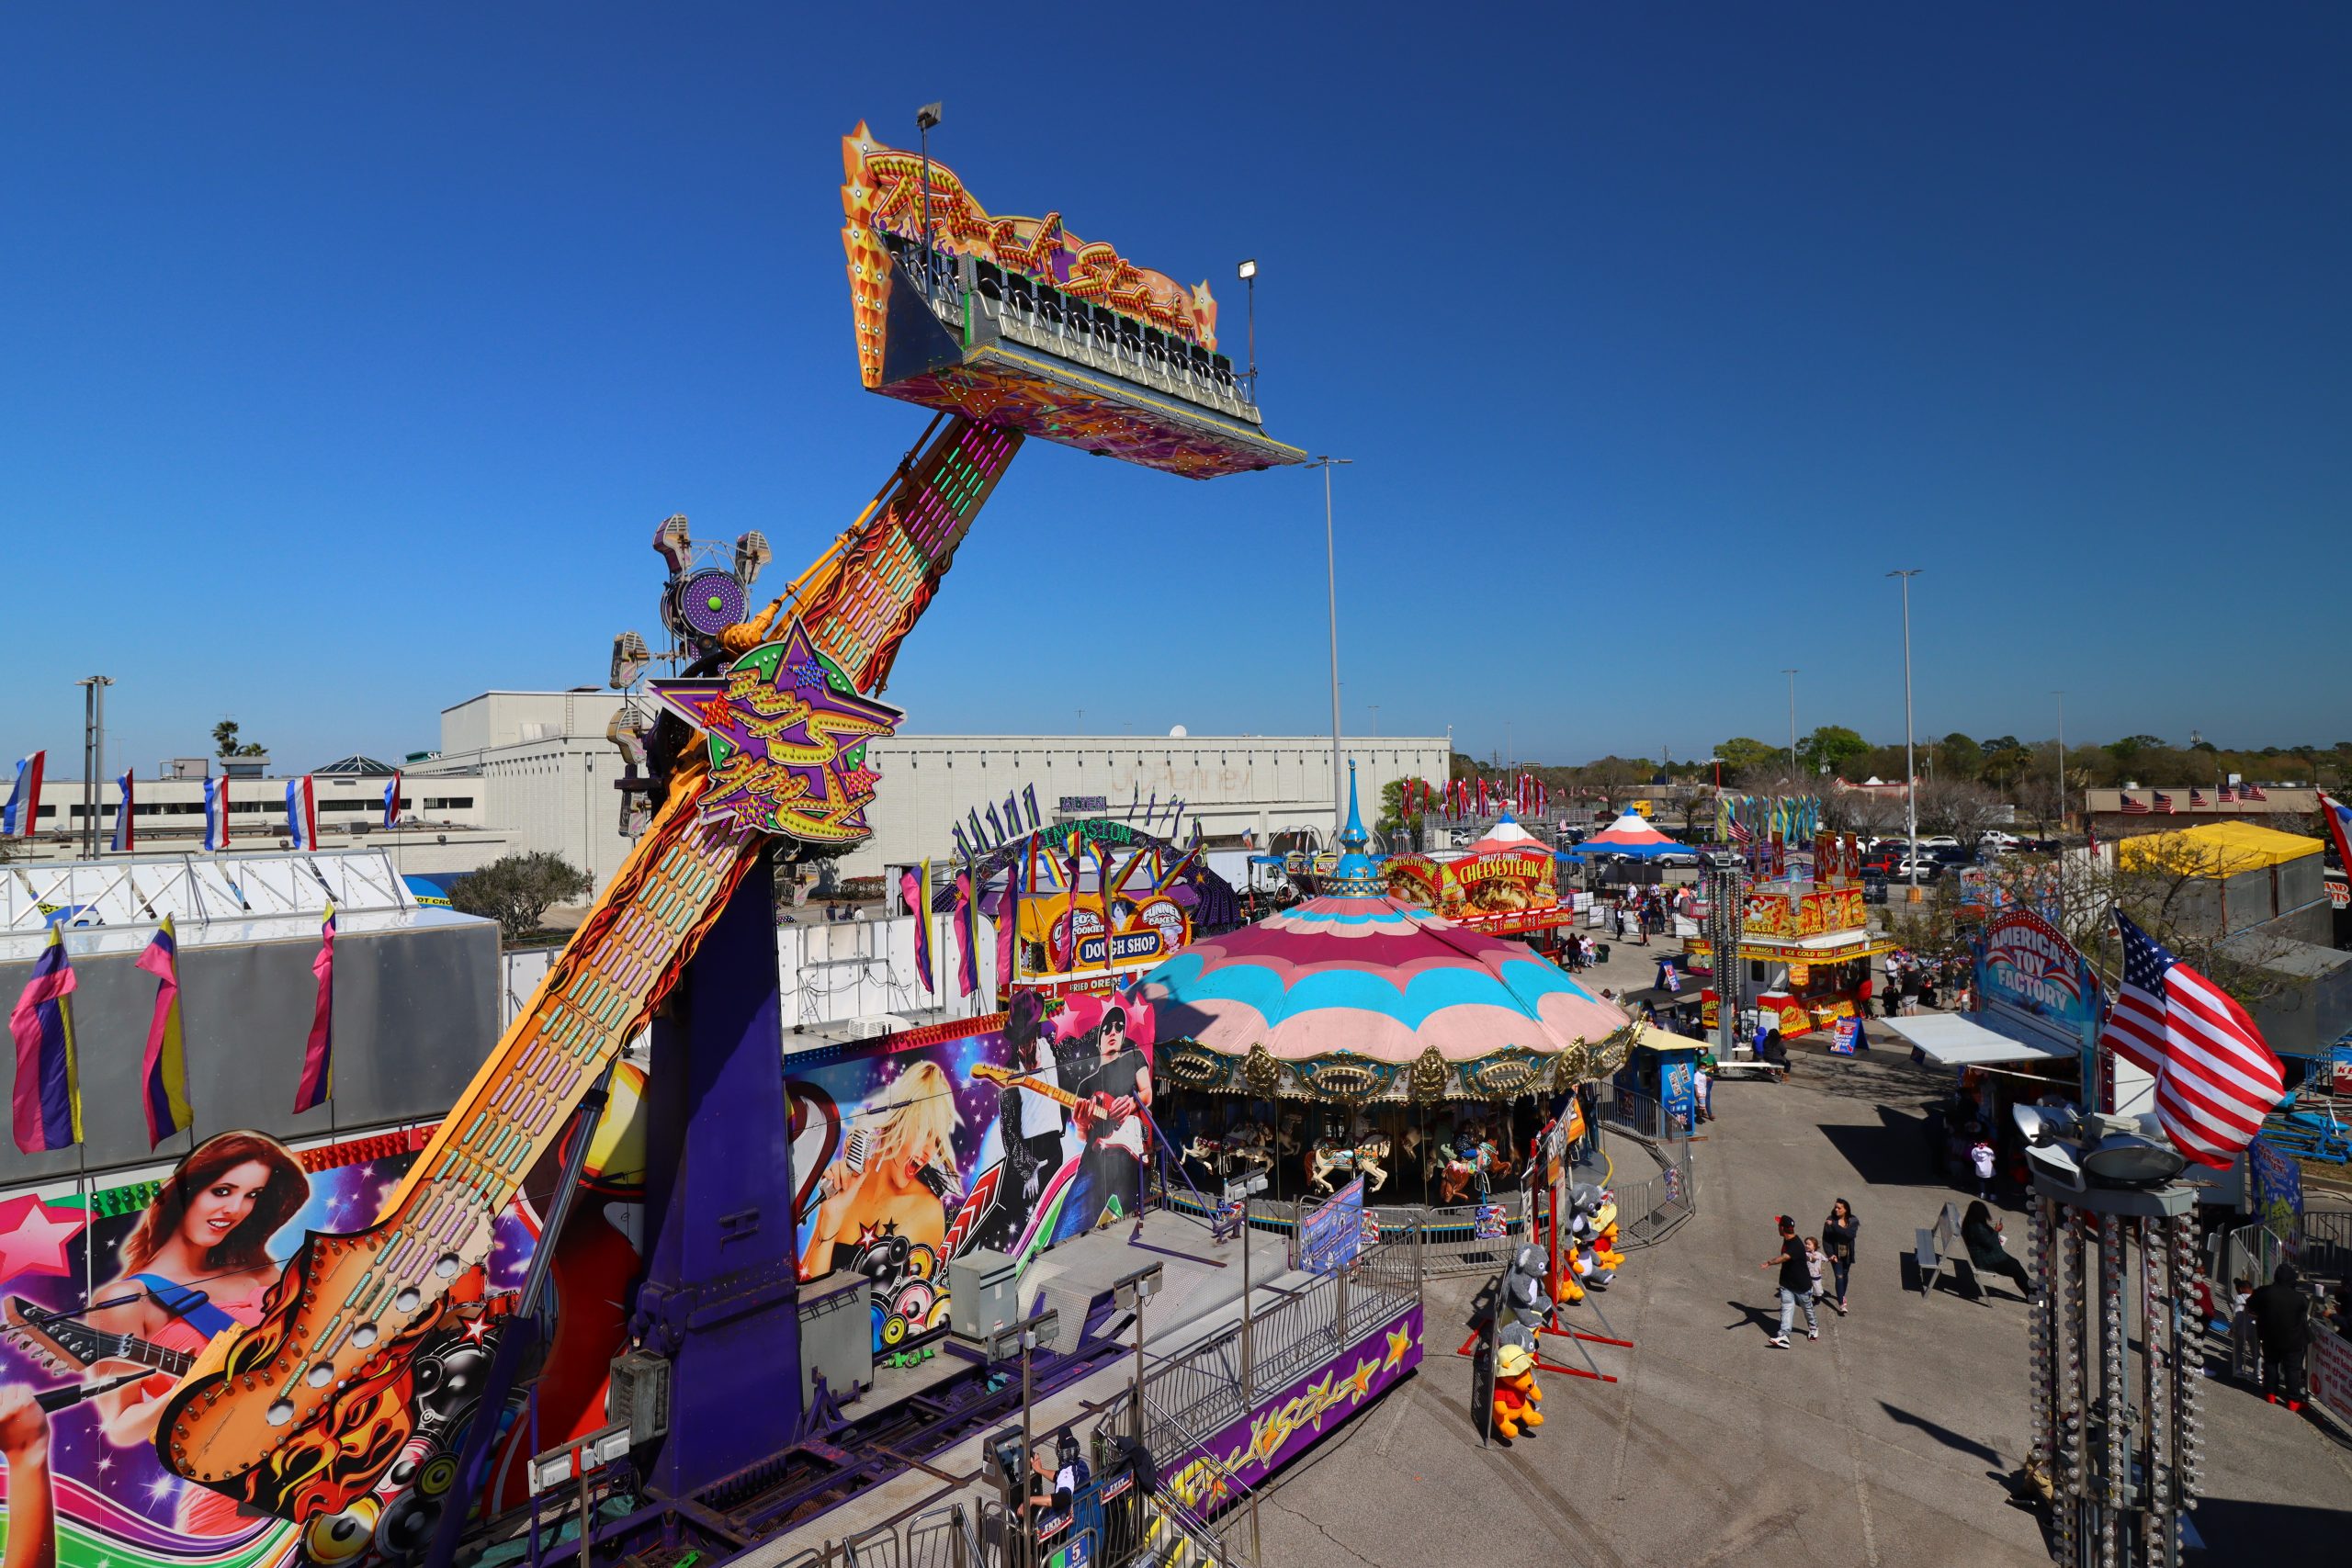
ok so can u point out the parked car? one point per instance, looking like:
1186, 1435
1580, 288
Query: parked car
1674, 857
1940, 841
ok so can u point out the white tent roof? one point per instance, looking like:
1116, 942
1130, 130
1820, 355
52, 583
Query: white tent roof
1507, 834
1955, 1042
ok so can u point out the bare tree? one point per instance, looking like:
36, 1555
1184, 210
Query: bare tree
2039, 797
1871, 811
1957, 806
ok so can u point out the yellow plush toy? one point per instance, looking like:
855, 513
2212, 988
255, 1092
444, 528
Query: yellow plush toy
1516, 1396
1604, 1246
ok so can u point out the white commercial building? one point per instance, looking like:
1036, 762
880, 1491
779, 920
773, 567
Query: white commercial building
519, 772
547, 771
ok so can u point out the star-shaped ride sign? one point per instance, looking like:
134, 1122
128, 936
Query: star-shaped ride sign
35, 1237
787, 733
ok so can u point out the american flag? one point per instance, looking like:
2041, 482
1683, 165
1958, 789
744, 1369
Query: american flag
2228, 795
2215, 1077
2251, 792
2134, 807
2195, 797
2162, 804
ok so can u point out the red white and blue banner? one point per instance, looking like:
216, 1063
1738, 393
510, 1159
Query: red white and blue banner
392, 802
47, 1101
2338, 817
302, 813
216, 815
125, 835
16, 817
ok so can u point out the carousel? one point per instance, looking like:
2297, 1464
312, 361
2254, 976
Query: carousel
1359, 1033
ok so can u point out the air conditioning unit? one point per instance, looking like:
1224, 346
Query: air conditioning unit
638, 1396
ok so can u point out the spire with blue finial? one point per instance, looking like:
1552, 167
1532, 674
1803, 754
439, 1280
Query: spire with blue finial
1355, 876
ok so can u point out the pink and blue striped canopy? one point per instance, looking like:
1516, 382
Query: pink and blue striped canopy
1374, 976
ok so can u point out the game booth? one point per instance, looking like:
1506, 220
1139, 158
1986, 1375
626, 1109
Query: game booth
1096, 902
1360, 1033
1810, 947
1506, 884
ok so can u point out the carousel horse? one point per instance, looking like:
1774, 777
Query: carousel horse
1363, 1158
1470, 1157
1236, 1154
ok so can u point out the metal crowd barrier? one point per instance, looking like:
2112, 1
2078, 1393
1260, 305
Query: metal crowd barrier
1648, 1209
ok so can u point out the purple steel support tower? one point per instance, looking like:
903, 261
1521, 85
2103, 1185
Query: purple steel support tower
721, 1288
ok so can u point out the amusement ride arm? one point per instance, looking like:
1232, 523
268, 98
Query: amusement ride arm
300, 1411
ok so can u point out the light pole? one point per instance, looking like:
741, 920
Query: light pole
1248, 272
1375, 719
93, 757
1792, 716
1331, 586
926, 118
1910, 767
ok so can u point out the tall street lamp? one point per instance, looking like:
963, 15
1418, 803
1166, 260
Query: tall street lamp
1792, 716
94, 758
1910, 767
1331, 586
1248, 273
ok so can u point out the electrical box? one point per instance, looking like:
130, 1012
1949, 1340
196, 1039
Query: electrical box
983, 1293
836, 1335
638, 1397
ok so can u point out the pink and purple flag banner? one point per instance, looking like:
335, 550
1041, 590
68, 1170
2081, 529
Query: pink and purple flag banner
318, 1052
47, 1101
162, 1078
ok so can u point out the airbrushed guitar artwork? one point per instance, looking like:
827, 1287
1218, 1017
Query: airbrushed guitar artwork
298, 1415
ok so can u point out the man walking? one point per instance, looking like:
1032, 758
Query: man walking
1796, 1284
2282, 1321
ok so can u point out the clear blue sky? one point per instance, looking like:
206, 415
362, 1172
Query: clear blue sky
353, 352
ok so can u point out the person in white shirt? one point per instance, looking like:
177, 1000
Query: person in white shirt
1980, 1156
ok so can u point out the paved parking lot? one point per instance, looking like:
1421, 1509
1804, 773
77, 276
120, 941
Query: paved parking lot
1887, 1442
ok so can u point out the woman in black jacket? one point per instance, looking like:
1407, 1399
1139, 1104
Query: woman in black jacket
1838, 1234
1981, 1234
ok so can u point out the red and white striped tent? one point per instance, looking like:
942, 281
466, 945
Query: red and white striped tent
1630, 835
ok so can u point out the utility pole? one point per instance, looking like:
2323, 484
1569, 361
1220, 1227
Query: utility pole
1910, 766
1792, 716
93, 757
2062, 759
1331, 587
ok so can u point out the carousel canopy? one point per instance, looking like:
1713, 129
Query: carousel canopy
1354, 986
1631, 836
